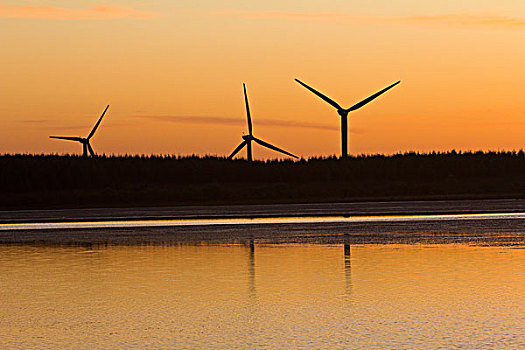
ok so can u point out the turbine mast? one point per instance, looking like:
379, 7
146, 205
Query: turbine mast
249, 150
344, 135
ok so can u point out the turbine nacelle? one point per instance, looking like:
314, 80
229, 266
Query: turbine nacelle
248, 137
343, 112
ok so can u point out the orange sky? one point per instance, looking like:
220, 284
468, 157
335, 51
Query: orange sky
173, 75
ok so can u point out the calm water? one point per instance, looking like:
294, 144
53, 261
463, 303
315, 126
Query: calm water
262, 296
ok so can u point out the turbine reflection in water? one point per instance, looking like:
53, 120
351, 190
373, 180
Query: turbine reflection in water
348, 269
261, 296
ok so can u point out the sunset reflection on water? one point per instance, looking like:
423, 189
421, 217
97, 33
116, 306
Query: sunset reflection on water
252, 295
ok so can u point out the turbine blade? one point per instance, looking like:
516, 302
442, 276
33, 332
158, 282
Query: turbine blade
324, 97
91, 150
250, 127
79, 139
235, 151
97, 124
267, 145
370, 98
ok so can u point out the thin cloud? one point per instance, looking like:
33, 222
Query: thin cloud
237, 121
329, 17
470, 20
98, 12
495, 124
60, 125
293, 16
51, 124
35, 121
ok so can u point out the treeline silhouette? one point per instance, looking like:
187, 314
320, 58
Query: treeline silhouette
59, 181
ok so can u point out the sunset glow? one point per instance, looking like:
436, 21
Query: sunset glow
173, 72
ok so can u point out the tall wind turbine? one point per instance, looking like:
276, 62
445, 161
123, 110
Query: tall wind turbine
84, 140
344, 112
249, 138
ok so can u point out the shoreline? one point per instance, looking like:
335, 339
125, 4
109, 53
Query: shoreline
507, 230
260, 221
424, 233
255, 211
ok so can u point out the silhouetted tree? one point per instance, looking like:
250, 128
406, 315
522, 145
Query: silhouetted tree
42, 181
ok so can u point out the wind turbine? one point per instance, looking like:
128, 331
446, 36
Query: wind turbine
344, 112
249, 138
84, 140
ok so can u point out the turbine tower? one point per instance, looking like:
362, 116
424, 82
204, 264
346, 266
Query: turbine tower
249, 138
344, 112
84, 140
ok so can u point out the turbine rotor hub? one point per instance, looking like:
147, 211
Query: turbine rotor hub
342, 112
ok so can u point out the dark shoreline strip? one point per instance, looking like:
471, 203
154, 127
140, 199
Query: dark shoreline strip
251, 216
115, 224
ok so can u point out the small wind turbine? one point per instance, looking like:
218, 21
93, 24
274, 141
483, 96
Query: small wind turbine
344, 112
84, 141
249, 138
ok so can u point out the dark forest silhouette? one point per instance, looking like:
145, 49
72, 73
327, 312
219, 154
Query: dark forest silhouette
53, 181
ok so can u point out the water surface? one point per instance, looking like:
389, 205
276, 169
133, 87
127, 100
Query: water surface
262, 296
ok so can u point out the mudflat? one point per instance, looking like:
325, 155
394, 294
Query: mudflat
269, 210
439, 229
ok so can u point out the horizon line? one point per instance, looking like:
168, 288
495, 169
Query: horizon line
453, 151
